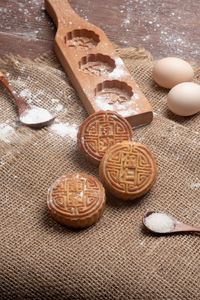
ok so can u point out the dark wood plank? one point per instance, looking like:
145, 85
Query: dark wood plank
31, 48
165, 27
26, 18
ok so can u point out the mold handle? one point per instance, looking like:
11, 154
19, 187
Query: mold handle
60, 11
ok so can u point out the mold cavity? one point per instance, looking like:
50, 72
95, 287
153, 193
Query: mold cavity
97, 64
82, 38
112, 92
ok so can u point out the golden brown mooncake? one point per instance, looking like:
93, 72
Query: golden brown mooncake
128, 170
76, 200
100, 131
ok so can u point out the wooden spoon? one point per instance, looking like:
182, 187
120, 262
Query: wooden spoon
29, 115
162, 223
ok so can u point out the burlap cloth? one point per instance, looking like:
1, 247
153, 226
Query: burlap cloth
116, 259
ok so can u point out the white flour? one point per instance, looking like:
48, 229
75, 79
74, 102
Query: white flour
38, 97
125, 109
7, 133
59, 107
65, 129
159, 222
119, 71
195, 186
28, 95
35, 115
25, 94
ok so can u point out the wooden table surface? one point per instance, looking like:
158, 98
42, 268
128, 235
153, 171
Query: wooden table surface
165, 27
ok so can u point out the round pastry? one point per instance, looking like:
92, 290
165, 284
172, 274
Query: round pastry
128, 170
100, 131
76, 200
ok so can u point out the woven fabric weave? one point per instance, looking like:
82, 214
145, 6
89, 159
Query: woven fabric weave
117, 258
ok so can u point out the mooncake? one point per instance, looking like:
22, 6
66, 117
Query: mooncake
128, 170
76, 200
100, 131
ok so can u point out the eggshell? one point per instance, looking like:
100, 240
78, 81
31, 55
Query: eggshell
170, 71
184, 99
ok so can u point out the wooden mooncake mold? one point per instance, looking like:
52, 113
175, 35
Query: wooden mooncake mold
128, 170
100, 131
97, 73
76, 200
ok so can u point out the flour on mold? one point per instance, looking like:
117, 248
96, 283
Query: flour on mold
126, 109
119, 71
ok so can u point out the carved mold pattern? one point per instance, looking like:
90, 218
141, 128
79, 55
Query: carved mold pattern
114, 91
82, 38
97, 64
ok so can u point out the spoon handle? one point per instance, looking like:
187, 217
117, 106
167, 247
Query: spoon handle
20, 103
180, 227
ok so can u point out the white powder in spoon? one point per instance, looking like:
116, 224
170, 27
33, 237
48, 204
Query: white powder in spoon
159, 222
35, 115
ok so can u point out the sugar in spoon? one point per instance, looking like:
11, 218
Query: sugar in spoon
32, 116
162, 223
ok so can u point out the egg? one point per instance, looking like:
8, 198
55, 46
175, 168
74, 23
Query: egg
184, 99
170, 71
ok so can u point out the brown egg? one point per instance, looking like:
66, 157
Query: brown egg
170, 71
184, 99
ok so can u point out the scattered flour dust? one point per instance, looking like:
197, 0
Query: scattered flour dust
65, 130
25, 94
195, 186
37, 96
7, 133
159, 222
57, 106
35, 115
119, 71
